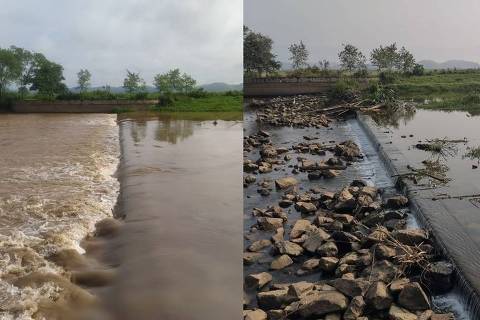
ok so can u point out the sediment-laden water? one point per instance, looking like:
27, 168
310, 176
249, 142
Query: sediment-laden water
56, 181
179, 250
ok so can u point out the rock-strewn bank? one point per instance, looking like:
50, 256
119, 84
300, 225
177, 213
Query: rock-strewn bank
351, 244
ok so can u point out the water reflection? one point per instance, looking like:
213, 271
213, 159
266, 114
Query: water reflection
394, 117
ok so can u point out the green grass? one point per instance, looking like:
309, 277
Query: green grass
211, 103
448, 91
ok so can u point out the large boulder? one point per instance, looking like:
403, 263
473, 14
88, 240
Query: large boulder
288, 247
314, 239
284, 183
396, 202
270, 224
281, 262
328, 249
412, 297
319, 303
411, 237
439, 277
257, 314
259, 245
274, 299
305, 207
378, 296
355, 308
398, 313
351, 287
258, 280
299, 228
328, 264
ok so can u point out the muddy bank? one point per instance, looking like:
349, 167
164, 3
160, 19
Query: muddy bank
178, 252
322, 242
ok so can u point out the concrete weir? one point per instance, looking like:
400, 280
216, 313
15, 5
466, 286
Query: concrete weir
441, 217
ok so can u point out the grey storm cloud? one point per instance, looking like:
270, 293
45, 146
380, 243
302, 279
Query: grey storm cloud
201, 37
432, 29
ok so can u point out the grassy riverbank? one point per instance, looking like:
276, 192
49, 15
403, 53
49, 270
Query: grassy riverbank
211, 102
443, 90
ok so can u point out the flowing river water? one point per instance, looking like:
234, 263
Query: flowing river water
56, 181
177, 254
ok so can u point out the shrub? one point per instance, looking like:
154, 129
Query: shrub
343, 91
166, 100
387, 77
197, 93
471, 99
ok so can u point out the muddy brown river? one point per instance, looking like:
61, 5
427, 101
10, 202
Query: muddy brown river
178, 252
56, 181
180, 249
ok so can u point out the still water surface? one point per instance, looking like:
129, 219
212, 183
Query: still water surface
180, 249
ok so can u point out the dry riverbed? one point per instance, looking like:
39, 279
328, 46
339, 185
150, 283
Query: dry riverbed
320, 250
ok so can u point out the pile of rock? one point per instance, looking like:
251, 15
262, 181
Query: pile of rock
298, 111
371, 266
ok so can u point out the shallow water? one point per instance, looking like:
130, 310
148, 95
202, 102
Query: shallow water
56, 181
179, 251
431, 124
371, 169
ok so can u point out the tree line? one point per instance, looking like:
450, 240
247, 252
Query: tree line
32, 71
259, 58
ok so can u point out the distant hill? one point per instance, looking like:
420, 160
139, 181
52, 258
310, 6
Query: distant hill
210, 87
450, 64
221, 87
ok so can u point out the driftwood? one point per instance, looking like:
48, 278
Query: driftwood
421, 172
457, 197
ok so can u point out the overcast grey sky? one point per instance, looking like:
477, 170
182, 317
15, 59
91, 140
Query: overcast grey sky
432, 29
201, 37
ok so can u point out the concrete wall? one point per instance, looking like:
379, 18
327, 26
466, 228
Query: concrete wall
286, 86
77, 106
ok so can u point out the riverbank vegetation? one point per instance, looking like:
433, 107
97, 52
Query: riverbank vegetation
392, 73
27, 75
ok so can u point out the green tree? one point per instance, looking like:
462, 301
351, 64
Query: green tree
298, 55
10, 69
174, 81
352, 59
385, 58
406, 61
27, 60
257, 53
133, 83
47, 76
84, 77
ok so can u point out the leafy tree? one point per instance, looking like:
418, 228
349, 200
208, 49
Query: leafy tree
84, 77
324, 64
418, 70
174, 81
47, 76
352, 59
10, 69
133, 83
406, 61
27, 60
385, 57
257, 53
299, 55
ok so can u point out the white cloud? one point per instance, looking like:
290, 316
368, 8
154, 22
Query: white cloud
203, 38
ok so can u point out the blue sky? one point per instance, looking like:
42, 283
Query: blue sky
203, 38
